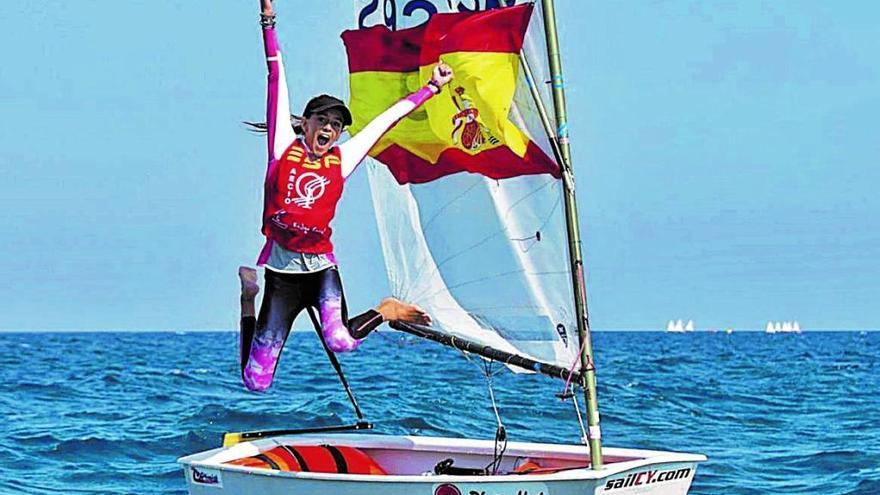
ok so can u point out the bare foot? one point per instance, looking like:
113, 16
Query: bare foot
393, 309
249, 286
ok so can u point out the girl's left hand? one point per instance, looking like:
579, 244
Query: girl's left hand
442, 74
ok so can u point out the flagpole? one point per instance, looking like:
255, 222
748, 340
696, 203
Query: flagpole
574, 238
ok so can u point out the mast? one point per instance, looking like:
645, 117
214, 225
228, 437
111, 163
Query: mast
588, 376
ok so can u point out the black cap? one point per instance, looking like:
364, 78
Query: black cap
326, 102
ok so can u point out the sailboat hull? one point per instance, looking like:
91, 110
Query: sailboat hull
410, 462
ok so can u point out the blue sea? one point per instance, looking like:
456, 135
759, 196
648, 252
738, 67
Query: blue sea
95, 413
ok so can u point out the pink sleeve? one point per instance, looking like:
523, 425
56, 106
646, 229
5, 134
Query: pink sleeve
421, 96
279, 129
270, 43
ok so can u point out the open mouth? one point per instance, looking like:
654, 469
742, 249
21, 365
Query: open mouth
323, 139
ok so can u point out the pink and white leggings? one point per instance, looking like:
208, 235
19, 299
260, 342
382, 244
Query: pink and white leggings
286, 295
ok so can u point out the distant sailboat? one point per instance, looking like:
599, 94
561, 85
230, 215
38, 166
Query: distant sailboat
675, 326
678, 326
783, 327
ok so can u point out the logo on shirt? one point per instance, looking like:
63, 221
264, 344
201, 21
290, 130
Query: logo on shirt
309, 188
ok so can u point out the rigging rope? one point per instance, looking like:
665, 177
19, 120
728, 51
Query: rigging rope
500, 432
589, 367
577, 410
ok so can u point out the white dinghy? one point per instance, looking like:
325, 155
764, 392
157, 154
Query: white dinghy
409, 466
496, 260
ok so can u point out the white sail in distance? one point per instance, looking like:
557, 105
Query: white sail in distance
675, 326
486, 258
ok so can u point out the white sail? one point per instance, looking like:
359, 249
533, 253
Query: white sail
670, 327
486, 258
786, 326
777, 327
690, 326
770, 328
796, 327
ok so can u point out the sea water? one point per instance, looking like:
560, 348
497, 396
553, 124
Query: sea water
111, 412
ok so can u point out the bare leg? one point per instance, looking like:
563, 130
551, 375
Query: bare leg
248, 321
249, 290
393, 309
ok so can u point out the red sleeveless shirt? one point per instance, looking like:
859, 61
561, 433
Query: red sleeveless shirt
301, 198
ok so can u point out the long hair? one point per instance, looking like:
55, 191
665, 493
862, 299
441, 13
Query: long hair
262, 127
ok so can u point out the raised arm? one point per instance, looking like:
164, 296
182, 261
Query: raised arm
355, 149
279, 130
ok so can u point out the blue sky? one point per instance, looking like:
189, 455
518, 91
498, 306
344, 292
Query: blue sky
726, 159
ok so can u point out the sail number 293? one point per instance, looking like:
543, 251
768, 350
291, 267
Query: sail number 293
388, 11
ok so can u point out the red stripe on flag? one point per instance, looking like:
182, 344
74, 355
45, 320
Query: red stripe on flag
380, 49
495, 30
496, 163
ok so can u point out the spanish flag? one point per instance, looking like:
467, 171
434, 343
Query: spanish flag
464, 128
